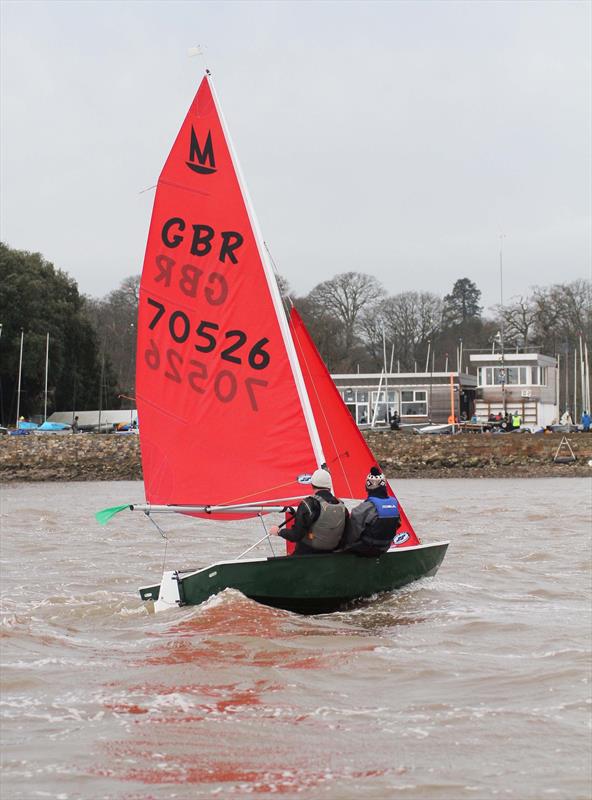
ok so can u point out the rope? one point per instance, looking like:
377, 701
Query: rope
164, 536
285, 299
287, 309
297, 341
255, 494
338, 456
156, 525
166, 544
267, 534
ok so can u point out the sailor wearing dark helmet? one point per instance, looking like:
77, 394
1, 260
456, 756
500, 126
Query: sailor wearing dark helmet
374, 523
320, 519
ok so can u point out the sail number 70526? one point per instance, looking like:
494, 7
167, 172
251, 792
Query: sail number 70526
208, 335
199, 376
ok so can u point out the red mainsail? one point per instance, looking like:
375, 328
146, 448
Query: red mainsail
221, 413
346, 452
234, 404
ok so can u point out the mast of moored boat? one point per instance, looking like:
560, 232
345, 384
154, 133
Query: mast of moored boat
575, 409
558, 387
375, 409
18, 391
587, 377
46, 374
101, 386
585, 384
452, 403
386, 405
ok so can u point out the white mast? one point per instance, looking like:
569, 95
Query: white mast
587, 377
18, 391
46, 374
575, 409
583, 378
273, 288
567, 379
558, 386
101, 387
386, 405
375, 411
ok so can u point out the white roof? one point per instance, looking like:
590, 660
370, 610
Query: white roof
513, 358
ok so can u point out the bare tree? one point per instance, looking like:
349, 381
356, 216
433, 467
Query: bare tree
574, 302
327, 333
128, 293
520, 318
563, 312
372, 324
408, 320
345, 297
114, 318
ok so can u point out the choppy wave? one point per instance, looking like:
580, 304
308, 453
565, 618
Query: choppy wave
474, 683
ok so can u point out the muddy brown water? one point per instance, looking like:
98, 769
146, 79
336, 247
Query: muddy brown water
473, 684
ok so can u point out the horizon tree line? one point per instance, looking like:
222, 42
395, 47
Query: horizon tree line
356, 325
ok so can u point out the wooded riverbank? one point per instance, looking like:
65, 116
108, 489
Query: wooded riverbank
84, 457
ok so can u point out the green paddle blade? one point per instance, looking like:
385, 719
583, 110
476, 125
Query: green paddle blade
103, 517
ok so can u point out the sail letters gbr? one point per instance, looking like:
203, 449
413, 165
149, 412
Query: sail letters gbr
198, 329
212, 372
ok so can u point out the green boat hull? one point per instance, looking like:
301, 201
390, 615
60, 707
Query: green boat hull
308, 584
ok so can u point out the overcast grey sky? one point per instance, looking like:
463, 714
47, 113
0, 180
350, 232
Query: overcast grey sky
393, 138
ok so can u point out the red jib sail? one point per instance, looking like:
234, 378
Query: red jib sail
346, 452
222, 416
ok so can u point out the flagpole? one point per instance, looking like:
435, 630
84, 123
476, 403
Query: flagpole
503, 368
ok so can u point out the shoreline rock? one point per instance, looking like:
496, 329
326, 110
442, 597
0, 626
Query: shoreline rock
113, 457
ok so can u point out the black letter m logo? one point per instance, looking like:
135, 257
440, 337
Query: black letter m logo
201, 156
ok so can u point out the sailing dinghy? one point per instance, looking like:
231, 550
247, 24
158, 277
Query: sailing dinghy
228, 384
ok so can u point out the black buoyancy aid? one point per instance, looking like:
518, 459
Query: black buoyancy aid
327, 530
382, 529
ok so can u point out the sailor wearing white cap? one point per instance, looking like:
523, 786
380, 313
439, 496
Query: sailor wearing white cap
320, 519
